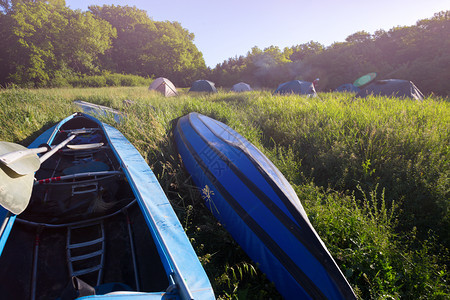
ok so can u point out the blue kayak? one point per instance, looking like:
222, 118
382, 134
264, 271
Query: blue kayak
98, 224
97, 110
259, 208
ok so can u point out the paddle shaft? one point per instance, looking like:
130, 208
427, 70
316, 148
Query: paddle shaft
16, 173
9, 158
56, 148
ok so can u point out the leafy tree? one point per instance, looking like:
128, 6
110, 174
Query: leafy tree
232, 71
36, 26
418, 53
173, 54
6, 51
134, 30
86, 38
301, 51
9, 5
148, 48
359, 37
268, 67
52, 38
423, 54
43, 40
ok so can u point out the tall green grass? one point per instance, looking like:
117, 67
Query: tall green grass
372, 174
343, 142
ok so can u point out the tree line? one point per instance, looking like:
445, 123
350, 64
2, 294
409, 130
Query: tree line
44, 42
419, 53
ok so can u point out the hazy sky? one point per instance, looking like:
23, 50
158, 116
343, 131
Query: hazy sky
229, 28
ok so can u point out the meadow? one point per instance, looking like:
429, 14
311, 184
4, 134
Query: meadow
372, 174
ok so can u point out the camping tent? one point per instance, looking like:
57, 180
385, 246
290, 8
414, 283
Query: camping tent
296, 87
164, 86
241, 87
392, 87
347, 87
203, 86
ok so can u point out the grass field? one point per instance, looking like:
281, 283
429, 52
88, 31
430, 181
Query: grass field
372, 174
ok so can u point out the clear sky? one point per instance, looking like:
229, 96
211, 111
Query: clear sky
229, 28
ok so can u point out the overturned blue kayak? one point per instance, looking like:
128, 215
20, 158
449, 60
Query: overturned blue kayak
96, 110
259, 208
98, 224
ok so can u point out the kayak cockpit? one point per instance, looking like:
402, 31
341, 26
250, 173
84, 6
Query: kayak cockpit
82, 181
82, 222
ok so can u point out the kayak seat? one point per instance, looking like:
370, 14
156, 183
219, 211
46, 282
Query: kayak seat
85, 146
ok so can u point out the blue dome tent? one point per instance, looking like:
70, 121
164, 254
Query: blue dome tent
203, 86
393, 88
296, 87
347, 87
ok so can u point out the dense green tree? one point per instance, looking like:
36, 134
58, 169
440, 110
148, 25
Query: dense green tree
148, 48
134, 30
52, 40
263, 68
44, 40
37, 26
423, 53
359, 37
418, 53
9, 5
232, 71
85, 39
173, 54
301, 51
6, 51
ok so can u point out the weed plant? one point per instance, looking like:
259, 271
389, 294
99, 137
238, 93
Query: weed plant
372, 175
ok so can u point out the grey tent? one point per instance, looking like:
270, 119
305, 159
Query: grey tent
164, 86
241, 87
296, 87
203, 86
347, 87
393, 88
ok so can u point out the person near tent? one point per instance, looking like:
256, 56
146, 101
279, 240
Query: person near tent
316, 82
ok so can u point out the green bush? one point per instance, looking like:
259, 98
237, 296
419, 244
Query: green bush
360, 235
107, 80
113, 80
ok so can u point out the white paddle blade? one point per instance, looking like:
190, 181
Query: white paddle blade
15, 190
19, 159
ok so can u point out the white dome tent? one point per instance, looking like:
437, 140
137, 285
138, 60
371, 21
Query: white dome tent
241, 87
164, 86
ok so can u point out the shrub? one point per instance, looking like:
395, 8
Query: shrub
106, 80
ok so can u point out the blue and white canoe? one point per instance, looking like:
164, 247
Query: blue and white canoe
259, 208
97, 222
